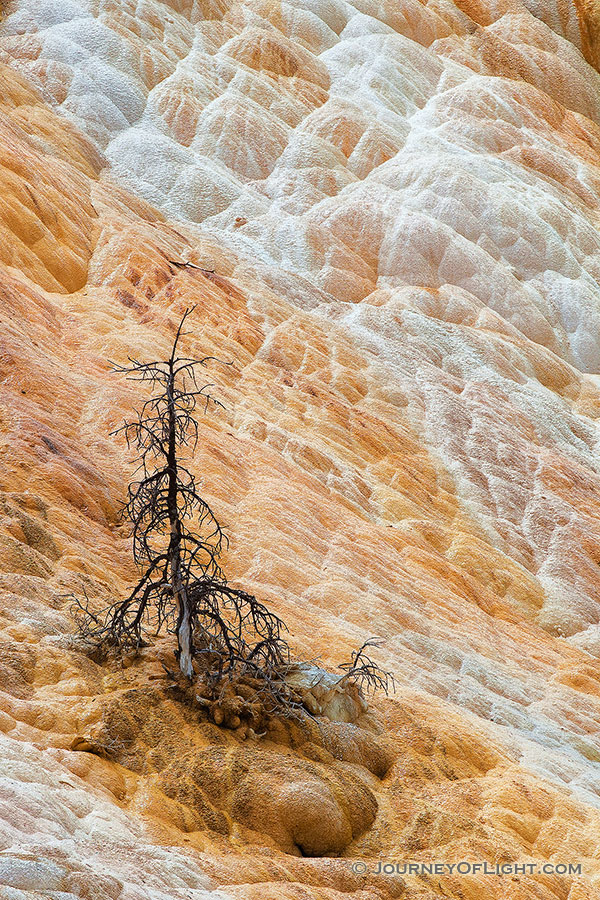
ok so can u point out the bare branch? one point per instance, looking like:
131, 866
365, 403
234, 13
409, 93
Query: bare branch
366, 673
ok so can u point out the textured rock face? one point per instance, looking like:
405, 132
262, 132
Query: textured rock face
394, 211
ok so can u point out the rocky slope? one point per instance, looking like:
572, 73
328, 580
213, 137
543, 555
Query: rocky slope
392, 211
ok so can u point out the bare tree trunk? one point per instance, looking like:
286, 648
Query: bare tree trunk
184, 617
184, 632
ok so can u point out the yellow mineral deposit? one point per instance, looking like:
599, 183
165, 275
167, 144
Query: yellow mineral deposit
392, 209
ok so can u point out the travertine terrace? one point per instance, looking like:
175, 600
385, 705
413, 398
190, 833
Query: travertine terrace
392, 210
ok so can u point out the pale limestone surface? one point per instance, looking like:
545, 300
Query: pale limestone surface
400, 203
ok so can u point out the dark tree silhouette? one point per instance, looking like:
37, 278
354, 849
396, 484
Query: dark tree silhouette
177, 542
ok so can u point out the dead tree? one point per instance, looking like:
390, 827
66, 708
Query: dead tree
228, 639
177, 542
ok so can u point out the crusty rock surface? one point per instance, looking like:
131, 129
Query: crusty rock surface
392, 213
